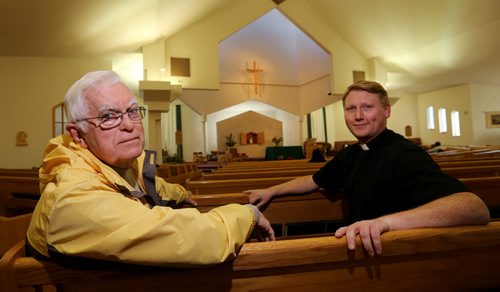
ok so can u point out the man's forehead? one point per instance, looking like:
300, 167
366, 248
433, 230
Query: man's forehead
360, 96
116, 106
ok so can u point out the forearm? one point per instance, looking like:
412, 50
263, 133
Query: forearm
299, 185
457, 209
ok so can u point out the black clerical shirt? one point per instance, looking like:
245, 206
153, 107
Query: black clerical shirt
389, 174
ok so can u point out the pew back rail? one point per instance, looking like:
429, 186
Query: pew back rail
454, 258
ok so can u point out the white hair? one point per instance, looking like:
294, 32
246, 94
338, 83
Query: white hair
75, 100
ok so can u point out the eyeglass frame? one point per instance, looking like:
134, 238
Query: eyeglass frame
116, 115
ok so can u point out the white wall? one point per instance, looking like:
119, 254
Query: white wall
403, 113
484, 99
456, 98
30, 88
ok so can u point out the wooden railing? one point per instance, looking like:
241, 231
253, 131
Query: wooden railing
12, 230
434, 259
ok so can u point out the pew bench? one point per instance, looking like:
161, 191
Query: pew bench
488, 189
317, 165
472, 153
29, 172
232, 185
258, 174
18, 194
265, 163
466, 163
291, 215
178, 173
454, 258
473, 171
12, 230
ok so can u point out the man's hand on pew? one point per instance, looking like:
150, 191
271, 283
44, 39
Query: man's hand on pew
189, 199
263, 230
259, 198
369, 232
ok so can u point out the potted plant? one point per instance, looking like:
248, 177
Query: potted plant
277, 140
230, 142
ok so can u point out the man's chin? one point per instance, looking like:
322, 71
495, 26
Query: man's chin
126, 161
131, 152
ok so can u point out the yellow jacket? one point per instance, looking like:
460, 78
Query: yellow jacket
82, 213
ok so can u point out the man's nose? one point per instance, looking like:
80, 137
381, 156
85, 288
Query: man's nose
127, 123
359, 115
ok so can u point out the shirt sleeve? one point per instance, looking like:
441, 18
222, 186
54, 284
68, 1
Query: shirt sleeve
330, 177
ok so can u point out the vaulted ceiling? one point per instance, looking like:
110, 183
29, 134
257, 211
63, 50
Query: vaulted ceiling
426, 44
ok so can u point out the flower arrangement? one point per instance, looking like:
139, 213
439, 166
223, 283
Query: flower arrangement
230, 142
277, 140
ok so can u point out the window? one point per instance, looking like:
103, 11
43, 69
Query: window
443, 127
59, 119
430, 118
455, 124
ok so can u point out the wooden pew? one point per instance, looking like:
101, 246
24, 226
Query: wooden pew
12, 230
239, 185
266, 163
258, 174
222, 186
459, 170
287, 210
29, 172
469, 162
291, 215
473, 171
24, 194
470, 153
454, 159
271, 168
434, 259
301, 165
178, 173
488, 189
18, 195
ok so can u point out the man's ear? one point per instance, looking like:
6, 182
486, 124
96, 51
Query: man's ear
387, 111
75, 133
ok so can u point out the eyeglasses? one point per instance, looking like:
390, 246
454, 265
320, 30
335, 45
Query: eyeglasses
114, 119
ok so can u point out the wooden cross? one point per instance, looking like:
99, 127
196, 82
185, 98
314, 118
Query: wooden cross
255, 77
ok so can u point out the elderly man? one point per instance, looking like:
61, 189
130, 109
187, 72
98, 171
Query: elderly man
389, 182
102, 201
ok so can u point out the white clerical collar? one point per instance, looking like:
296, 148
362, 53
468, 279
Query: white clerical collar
364, 147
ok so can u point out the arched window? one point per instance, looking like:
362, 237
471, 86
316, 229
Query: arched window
455, 124
430, 118
443, 126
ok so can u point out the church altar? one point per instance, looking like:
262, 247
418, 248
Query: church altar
284, 152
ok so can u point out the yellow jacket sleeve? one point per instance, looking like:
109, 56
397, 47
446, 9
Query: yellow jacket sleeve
168, 191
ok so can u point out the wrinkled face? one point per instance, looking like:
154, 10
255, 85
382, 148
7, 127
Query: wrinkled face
118, 146
364, 115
